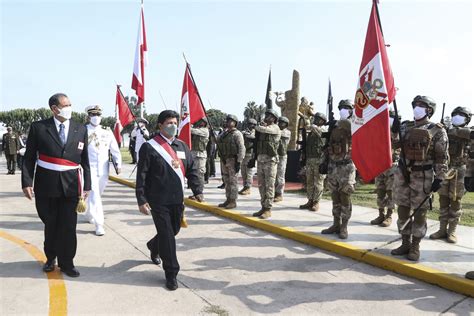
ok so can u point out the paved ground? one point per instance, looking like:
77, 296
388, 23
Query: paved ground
225, 267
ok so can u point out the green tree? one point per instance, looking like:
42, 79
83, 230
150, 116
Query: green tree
252, 110
216, 117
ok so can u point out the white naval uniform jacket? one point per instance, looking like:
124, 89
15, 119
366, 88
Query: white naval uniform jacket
100, 142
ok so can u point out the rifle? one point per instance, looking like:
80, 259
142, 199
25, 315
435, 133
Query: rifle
324, 166
442, 114
302, 149
416, 211
114, 163
403, 162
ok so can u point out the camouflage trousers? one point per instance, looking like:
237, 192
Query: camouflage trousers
341, 182
229, 176
450, 195
408, 197
200, 163
266, 174
280, 175
314, 180
247, 173
384, 186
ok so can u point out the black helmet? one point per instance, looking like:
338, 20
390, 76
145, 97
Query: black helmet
252, 121
426, 100
272, 112
346, 104
321, 116
232, 117
283, 119
463, 111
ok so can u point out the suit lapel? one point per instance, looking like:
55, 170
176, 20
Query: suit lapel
53, 131
73, 128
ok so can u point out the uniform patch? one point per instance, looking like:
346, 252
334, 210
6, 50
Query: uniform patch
80, 146
181, 154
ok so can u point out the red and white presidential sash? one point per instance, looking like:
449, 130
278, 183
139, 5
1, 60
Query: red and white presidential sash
56, 164
169, 155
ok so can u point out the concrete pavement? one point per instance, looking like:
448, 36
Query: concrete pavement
226, 268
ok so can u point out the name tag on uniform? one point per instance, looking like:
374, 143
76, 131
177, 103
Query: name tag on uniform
181, 154
80, 146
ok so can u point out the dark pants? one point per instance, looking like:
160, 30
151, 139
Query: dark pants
19, 161
11, 162
167, 220
60, 219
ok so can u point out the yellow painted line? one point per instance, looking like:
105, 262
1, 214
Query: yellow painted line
57, 287
414, 270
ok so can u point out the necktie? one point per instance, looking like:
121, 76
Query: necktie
62, 136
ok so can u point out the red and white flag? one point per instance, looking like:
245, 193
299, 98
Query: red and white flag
192, 110
123, 115
138, 78
371, 148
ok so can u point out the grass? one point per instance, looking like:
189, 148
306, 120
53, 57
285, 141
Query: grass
364, 195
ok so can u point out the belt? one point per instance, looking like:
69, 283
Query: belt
342, 162
56, 164
420, 168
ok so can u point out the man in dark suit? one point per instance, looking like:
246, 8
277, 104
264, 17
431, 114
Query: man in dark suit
58, 148
163, 163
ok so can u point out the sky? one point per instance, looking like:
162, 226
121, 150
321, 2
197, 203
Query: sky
83, 48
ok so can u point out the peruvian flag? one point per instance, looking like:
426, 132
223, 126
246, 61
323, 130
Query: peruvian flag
123, 115
192, 109
371, 148
138, 78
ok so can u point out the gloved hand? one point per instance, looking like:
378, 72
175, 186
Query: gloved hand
323, 168
251, 163
199, 197
332, 123
436, 185
237, 167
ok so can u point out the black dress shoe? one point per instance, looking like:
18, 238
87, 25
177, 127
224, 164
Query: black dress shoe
73, 272
48, 266
155, 257
171, 284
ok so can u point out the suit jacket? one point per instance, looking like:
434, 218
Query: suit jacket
43, 138
157, 183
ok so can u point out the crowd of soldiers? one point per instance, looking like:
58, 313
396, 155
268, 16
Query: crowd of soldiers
427, 157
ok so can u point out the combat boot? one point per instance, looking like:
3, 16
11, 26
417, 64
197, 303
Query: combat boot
257, 214
388, 219
222, 186
404, 248
315, 207
470, 275
231, 204
308, 205
442, 232
245, 191
278, 198
452, 232
266, 213
414, 253
334, 228
227, 201
379, 219
343, 230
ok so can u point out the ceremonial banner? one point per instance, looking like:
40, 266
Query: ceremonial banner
123, 115
138, 78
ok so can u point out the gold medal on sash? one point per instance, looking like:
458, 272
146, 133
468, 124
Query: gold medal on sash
175, 164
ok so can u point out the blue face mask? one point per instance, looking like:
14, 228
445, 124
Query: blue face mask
171, 129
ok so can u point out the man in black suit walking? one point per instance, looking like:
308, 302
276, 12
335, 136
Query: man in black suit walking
58, 148
163, 164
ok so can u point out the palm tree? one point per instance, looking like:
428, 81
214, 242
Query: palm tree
252, 110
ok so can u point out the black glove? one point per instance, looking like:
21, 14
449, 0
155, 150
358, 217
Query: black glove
237, 167
251, 163
332, 123
436, 185
323, 168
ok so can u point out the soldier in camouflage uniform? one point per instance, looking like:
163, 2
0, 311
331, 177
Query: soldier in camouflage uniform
283, 123
247, 173
232, 151
341, 170
314, 157
199, 140
384, 182
422, 168
469, 181
267, 138
452, 188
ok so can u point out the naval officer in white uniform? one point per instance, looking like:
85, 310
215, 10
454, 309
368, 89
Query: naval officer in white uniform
101, 142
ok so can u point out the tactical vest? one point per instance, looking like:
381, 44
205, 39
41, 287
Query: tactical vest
314, 145
248, 142
283, 146
267, 144
198, 143
227, 147
340, 142
417, 145
458, 145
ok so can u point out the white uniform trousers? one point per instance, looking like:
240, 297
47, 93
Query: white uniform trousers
95, 211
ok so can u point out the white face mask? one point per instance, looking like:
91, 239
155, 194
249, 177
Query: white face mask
65, 112
391, 120
344, 114
458, 120
95, 120
419, 112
